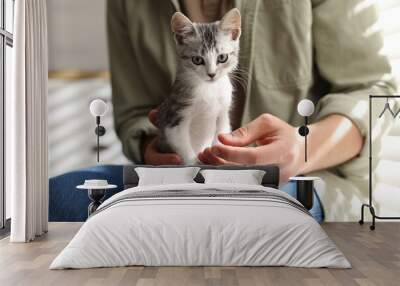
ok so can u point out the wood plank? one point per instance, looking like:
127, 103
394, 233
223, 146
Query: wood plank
375, 257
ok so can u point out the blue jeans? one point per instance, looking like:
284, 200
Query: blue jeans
66, 203
316, 211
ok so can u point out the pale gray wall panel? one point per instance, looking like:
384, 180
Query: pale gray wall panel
77, 34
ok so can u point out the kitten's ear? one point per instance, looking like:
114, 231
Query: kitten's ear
181, 26
231, 23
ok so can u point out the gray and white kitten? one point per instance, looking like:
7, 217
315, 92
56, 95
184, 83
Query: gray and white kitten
198, 108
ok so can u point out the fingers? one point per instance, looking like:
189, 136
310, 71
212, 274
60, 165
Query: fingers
224, 154
241, 155
153, 157
262, 126
153, 116
265, 141
208, 158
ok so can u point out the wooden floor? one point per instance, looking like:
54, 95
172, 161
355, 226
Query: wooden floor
375, 257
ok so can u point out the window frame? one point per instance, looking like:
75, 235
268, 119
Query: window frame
6, 39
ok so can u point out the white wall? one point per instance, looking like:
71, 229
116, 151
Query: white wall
77, 41
77, 35
387, 190
72, 141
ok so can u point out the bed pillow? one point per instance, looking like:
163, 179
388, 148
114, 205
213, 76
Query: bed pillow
247, 177
163, 176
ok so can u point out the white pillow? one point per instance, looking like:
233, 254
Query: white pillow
163, 176
247, 177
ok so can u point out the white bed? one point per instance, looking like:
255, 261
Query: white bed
201, 224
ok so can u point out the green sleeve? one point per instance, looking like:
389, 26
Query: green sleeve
130, 96
348, 52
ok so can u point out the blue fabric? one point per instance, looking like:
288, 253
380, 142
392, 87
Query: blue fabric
316, 211
66, 203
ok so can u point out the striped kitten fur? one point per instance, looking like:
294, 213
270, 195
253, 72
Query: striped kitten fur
198, 108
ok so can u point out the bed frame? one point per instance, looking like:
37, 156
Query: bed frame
270, 179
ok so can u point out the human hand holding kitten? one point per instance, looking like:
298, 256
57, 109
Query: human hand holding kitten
149, 150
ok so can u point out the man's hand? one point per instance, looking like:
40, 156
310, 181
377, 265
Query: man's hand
331, 141
276, 143
149, 148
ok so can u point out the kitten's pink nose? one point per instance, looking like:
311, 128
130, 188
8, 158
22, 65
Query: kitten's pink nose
211, 75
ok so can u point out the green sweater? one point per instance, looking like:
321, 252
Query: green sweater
324, 50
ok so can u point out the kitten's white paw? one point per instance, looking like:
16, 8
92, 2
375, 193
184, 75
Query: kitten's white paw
192, 161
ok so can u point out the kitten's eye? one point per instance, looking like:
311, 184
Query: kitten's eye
222, 58
197, 60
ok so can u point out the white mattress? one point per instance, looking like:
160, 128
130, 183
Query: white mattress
186, 230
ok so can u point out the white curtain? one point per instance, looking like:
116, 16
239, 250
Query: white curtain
26, 117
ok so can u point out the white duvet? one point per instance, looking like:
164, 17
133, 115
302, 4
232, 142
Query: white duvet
185, 230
